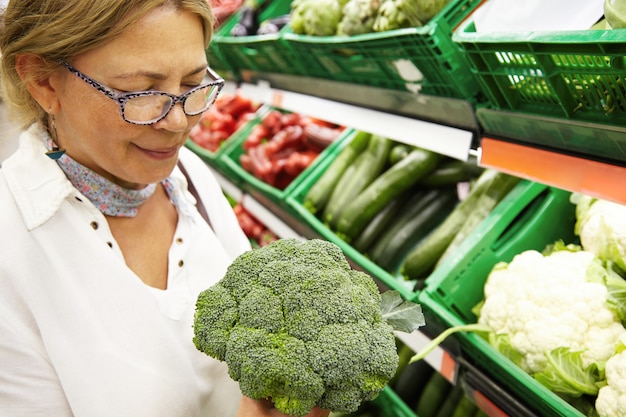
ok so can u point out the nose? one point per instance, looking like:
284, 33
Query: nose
176, 120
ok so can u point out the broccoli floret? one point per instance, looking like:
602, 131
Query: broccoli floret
295, 323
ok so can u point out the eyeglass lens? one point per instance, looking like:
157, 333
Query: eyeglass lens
151, 107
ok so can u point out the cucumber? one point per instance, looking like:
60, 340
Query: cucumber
390, 184
424, 256
380, 223
498, 188
412, 381
422, 215
399, 152
452, 172
433, 396
465, 407
369, 164
448, 407
405, 353
318, 195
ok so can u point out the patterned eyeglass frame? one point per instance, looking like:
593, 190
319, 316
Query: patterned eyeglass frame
122, 98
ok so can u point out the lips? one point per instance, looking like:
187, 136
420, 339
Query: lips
161, 153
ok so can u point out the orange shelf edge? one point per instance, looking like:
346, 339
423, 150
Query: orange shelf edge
597, 179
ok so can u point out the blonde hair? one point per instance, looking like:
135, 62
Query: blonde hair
60, 29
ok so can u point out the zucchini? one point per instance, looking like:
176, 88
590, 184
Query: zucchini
390, 184
316, 198
452, 172
454, 396
380, 223
433, 396
465, 407
422, 214
423, 257
498, 188
412, 381
398, 152
369, 164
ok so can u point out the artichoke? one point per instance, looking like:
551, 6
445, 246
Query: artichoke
358, 17
427, 9
298, 7
397, 14
321, 17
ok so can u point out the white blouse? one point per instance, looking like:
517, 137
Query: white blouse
80, 334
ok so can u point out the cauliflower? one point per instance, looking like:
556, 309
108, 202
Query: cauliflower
546, 302
554, 314
296, 324
601, 226
611, 400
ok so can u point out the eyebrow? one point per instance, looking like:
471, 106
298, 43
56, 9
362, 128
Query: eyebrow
156, 75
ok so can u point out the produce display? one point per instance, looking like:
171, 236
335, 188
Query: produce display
559, 314
297, 325
283, 145
355, 17
228, 113
254, 229
399, 205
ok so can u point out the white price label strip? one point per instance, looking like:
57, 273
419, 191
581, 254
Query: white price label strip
269, 219
445, 140
439, 358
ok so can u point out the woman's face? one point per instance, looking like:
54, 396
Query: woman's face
163, 51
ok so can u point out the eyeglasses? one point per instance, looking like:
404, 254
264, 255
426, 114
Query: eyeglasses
148, 107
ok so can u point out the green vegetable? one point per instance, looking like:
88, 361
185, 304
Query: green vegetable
319, 194
383, 190
451, 402
422, 259
321, 17
498, 188
412, 381
358, 17
398, 152
422, 214
366, 168
296, 324
452, 172
427, 9
433, 395
465, 407
380, 223
397, 14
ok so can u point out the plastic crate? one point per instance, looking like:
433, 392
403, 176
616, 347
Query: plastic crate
261, 53
573, 75
530, 217
388, 404
262, 191
295, 200
420, 59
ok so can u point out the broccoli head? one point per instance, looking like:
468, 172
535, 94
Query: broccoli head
297, 325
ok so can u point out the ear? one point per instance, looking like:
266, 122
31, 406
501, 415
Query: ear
29, 68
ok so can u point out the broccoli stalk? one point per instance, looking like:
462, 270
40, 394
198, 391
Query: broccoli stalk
297, 325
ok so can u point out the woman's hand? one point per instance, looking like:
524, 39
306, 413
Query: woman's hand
264, 408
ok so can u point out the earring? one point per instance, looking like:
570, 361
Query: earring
56, 152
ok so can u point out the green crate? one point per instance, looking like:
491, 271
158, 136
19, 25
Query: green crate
389, 404
260, 53
295, 201
254, 186
530, 217
573, 75
420, 59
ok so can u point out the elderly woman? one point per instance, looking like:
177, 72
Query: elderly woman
104, 249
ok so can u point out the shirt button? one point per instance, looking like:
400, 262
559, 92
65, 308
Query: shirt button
179, 240
110, 244
94, 225
180, 263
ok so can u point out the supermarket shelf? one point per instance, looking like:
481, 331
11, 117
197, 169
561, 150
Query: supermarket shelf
447, 140
273, 221
571, 173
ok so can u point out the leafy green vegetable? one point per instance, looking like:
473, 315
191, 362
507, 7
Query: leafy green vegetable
404, 316
296, 324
